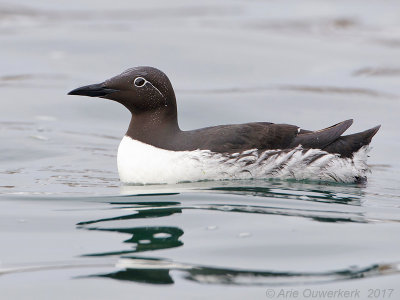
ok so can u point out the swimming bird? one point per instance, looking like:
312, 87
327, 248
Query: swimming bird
156, 150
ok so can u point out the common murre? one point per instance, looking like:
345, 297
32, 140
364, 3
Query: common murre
155, 150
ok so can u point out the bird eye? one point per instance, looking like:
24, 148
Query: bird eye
139, 81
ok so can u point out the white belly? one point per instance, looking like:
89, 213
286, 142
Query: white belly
140, 163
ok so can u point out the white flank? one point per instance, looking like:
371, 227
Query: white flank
140, 163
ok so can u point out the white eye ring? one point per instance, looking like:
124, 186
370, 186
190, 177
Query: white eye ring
139, 81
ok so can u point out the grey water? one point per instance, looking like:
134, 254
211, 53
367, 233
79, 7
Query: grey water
70, 230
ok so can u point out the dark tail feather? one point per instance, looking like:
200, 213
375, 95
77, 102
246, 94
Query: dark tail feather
321, 138
347, 145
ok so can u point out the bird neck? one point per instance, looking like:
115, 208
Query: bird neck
154, 127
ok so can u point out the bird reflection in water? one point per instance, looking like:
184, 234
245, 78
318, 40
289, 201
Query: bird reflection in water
155, 270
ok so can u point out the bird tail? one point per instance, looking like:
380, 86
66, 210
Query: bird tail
347, 145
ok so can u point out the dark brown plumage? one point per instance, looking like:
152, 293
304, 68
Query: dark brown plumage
148, 94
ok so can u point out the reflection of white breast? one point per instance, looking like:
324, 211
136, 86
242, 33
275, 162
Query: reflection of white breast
140, 163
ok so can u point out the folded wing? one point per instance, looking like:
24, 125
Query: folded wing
331, 140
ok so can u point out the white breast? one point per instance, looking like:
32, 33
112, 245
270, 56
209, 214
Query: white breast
140, 163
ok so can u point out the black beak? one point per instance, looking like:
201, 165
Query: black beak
93, 90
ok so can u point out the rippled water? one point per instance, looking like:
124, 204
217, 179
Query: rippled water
69, 229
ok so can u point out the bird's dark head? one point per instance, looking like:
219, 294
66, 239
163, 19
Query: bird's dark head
140, 89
